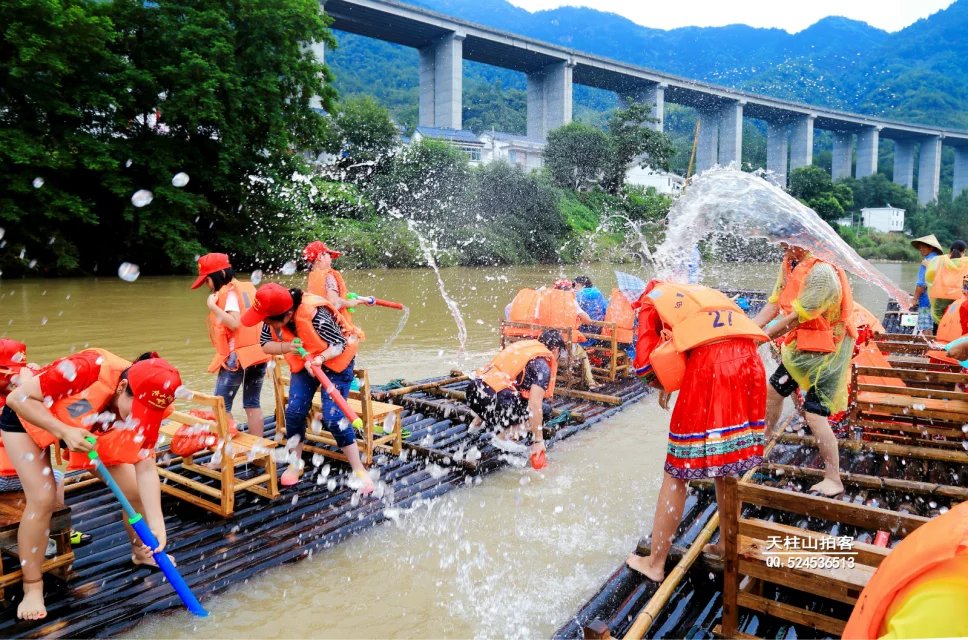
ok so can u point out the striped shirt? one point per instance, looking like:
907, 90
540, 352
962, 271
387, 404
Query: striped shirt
326, 328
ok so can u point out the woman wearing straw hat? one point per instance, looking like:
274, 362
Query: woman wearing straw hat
930, 249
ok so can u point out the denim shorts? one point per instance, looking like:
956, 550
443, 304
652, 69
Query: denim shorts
250, 379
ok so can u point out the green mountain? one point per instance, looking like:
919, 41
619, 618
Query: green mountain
917, 74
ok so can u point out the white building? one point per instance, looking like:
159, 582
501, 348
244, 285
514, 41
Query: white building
464, 140
661, 181
883, 219
525, 152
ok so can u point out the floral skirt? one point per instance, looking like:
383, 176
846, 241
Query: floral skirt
718, 421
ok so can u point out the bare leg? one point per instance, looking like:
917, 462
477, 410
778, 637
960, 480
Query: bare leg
831, 484
37, 477
255, 420
717, 549
668, 512
774, 407
294, 455
125, 476
586, 366
352, 452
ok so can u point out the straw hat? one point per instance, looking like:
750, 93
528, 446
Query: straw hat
930, 241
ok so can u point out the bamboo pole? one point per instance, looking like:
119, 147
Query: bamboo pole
645, 618
589, 395
402, 391
695, 143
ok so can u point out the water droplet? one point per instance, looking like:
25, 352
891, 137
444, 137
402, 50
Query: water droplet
32, 264
68, 370
38, 182
179, 180
331, 485
128, 271
43, 321
256, 277
3, 231
128, 163
289, 268
142, 198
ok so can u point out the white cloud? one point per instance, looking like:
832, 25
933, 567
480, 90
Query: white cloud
890, 15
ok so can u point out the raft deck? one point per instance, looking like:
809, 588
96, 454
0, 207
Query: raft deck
107, 595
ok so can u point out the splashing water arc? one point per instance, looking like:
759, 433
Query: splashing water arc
730, 202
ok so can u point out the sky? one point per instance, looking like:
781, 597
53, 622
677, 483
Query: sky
793, 16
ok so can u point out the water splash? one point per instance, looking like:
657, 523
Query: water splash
724, 202
451, 304
400, 325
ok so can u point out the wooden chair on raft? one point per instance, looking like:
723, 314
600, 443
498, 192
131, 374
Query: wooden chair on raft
227, 467
757, 556
375, 416
12, 505
910, 405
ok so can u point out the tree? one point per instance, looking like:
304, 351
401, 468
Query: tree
877, 191
634, 140
577, 155
363, 130
101, 100
813, 186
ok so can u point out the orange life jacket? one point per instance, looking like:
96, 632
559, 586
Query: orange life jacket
311, 341
815, 335
692, 315
246, 339
317, 287
936, 541
81, 409
949, 278
506, 370
620, 312
552, 308
950, 326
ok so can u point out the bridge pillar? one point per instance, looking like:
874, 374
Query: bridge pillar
441, 77
867, 139
904, 163
549, 98
652, 95
929, 170
801, 142
707, 149
731, 133
777, 149
961, 171
842, 155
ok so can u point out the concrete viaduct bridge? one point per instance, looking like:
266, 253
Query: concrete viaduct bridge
444, 42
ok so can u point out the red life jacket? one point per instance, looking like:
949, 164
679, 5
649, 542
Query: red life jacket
506, 370
246, 339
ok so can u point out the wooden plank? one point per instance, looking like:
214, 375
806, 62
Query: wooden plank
395, 393
868, 554
912, 392
793, 614
925, 431
923, 453
843, 584
589, 395
876, 482
730, 536
596, 630
913, 374
829, 509
718, 632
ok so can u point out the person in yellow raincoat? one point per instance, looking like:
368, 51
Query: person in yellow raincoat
809, 314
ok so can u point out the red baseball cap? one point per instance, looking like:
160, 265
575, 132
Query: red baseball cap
209, 264
316, 248
270, 300
153, 383
13, 353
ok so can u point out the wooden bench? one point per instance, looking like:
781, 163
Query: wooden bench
373, 414
228, 456
611, 349
12, 505
752, 550
929, 409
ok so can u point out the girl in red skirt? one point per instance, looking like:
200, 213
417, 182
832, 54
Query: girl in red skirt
696, 340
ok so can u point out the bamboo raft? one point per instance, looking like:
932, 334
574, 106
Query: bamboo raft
905, 464
106, 595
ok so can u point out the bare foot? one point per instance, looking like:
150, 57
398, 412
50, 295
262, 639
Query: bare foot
828, 488
140, 556
714, 550
644, 566
32, 607
475, 425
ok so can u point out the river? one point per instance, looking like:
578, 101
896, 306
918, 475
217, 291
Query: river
512, 557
